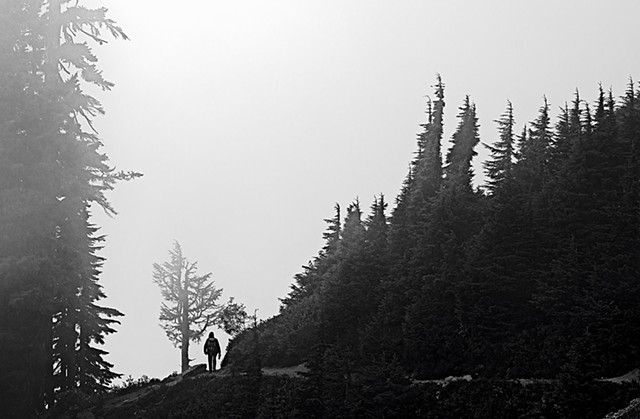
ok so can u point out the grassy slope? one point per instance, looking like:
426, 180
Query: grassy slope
286, 396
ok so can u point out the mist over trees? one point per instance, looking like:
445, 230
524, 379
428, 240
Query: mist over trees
51, 172
533, 274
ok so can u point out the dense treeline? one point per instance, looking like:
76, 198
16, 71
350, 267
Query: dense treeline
51, 171
534, 274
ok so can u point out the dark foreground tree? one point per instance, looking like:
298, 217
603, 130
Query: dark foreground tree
51, 171
191, 301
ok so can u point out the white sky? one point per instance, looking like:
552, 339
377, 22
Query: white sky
250, 119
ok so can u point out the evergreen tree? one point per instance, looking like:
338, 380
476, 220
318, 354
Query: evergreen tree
428, 163
497, 311
533, 175
426, 182
562, 141
406, 232
534, 153
308, 281
458, 170
499, 168
192, 301
374, 271
295, 335
80, 324
341, 295
569, 133
332, 235
387, 321
52, 170
433, 328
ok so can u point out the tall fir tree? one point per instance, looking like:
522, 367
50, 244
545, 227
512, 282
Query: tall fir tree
426, 183
307, 282
534, 153
433, 328
499, 168
427, 173
406, 227
52, 171
340, 297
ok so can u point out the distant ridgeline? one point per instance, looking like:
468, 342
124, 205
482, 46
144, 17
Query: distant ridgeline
535, 274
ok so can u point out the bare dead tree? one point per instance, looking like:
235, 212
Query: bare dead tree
190, 305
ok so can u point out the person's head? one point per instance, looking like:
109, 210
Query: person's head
211, 334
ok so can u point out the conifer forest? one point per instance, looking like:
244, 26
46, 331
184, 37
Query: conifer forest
514, 297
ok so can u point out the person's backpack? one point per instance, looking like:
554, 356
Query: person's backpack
212, 346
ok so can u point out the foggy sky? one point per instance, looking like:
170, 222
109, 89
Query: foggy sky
251, 119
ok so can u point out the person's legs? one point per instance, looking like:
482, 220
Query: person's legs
212, 362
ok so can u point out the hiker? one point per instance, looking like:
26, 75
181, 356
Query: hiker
212, 350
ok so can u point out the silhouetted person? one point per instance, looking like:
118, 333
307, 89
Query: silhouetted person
212, 350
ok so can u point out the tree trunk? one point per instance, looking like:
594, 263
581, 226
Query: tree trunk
44, 392
53, 43
82, 364
40, 350
49, 382
185, 341
185, 321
